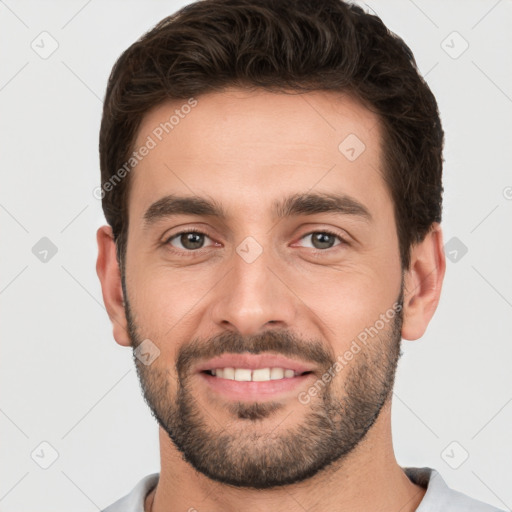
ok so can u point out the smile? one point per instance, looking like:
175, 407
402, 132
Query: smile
254, 375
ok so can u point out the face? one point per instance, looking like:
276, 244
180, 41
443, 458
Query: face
263, 265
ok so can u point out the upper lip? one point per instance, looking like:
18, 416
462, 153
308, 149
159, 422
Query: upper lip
253, 361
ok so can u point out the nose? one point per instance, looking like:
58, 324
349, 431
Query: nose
254, 296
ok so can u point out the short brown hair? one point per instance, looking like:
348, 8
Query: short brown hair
281, 45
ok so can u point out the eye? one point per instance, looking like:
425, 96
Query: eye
322, 240
193, 240
190, 240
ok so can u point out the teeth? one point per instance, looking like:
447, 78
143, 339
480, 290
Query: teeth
256, 375
261, 374
242, 374
276, 373
228, 373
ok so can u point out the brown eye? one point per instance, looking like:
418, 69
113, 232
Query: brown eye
323, 239
189, 240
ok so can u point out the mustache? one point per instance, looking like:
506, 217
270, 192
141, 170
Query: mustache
278, 342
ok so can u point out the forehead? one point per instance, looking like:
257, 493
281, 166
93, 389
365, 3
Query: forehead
257, 144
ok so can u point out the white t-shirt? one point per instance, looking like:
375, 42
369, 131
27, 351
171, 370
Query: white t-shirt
438, 498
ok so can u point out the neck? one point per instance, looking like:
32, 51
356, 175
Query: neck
369, 478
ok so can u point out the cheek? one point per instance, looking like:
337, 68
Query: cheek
163, 294
349, 300
166, 303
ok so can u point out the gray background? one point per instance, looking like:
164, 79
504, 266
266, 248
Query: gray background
65, 381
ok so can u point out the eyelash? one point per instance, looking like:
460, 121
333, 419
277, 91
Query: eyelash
198, 252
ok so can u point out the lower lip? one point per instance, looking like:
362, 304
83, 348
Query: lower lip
247, 390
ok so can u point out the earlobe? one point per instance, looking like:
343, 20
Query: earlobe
109, 274
422, 283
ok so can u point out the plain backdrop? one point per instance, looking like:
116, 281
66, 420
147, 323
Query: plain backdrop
65, 382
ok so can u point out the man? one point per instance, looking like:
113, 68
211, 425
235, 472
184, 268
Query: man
271, 176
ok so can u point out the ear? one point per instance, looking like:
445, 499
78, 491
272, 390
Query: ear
422, 283
109, 274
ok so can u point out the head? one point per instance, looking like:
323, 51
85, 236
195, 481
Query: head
271, 177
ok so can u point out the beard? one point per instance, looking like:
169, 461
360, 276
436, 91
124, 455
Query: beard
246, 452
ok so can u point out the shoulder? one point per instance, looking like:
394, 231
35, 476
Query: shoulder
134, 502
439, 497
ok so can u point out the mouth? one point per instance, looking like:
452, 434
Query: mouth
253, 376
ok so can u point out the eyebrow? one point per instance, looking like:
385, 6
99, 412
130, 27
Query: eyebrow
297, 204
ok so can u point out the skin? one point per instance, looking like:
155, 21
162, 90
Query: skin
244, 150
